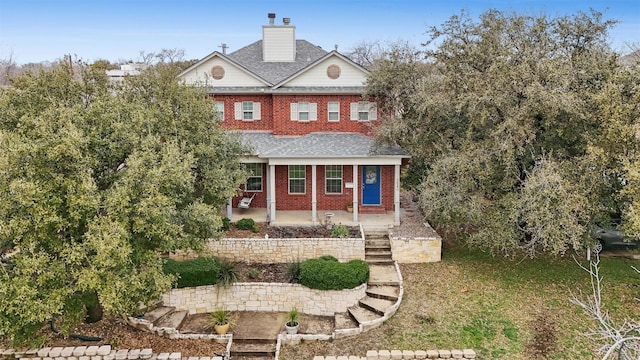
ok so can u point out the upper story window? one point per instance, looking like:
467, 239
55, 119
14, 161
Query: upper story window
219, 109
247, 110
297, 179
333, 109
304, 111
364, 111
333, 179
254, 181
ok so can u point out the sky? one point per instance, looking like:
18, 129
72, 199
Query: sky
118, 30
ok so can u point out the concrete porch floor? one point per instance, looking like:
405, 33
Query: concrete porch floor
298, 218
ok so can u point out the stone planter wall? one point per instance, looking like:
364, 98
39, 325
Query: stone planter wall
271, 250
416, 249
263, 297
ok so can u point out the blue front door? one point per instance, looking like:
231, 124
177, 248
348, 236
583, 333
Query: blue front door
370, 185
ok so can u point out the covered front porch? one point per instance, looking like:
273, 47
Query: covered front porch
304, 217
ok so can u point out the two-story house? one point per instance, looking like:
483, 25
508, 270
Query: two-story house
301, 110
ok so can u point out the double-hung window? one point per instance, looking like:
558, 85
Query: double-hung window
333, 179
297, 179
333, 109
246, 110
364, 111
219, 109
304, 111
254, 181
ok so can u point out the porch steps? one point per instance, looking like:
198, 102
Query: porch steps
385, 292
383, 287
377, 250
157, 313
172, 319
253, 349
371, 209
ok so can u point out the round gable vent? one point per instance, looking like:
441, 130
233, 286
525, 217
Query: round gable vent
217, 72
333, 71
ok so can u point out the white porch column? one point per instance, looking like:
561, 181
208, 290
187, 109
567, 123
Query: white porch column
314, 196
272, 193
230, 209
268, 192
396, 195
356, 190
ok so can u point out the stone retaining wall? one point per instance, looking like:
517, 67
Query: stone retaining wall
103, 352
410, 250
271, 250
263, 297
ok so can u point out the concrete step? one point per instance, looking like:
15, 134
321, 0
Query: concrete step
383, 292
362, 315
252, 349
173, 319
157, 313
379, 262
344, 321
378, 306
376, 254
383, 275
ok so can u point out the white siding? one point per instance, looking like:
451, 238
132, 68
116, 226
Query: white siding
350, 75
279, 43
233, 76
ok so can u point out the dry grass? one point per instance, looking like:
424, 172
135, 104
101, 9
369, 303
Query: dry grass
503, 309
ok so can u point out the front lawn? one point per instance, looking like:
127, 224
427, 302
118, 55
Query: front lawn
503, 309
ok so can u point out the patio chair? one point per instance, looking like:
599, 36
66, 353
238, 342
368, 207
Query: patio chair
245, 202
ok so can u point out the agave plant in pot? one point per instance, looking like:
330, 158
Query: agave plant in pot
292, 321
220, 321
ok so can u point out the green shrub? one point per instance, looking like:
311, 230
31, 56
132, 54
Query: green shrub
196, 272
328, 258
293, 272
245, 224
226, 224
326, 273
340, 231
227, 273
255, 229
253, 273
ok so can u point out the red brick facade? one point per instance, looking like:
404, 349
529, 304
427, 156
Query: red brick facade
286, 201
276, 115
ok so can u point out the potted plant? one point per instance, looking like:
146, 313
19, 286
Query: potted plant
349, 207
292, 321
220, 321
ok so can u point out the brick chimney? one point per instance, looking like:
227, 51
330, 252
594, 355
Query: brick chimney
278, 41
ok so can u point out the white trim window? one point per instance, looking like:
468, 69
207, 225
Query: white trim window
247, 110
364, 111
333, 111
297, 179
304, 111
254, 181
219, 109
333, 179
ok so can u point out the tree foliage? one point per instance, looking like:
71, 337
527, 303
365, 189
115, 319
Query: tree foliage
522, 129
95, 182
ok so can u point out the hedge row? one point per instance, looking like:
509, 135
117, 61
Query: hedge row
327, 273
196, 272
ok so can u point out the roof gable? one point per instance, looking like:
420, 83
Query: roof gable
250, 57
331, 70
218, 70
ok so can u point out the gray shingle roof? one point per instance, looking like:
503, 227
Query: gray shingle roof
318, 145
250, 57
